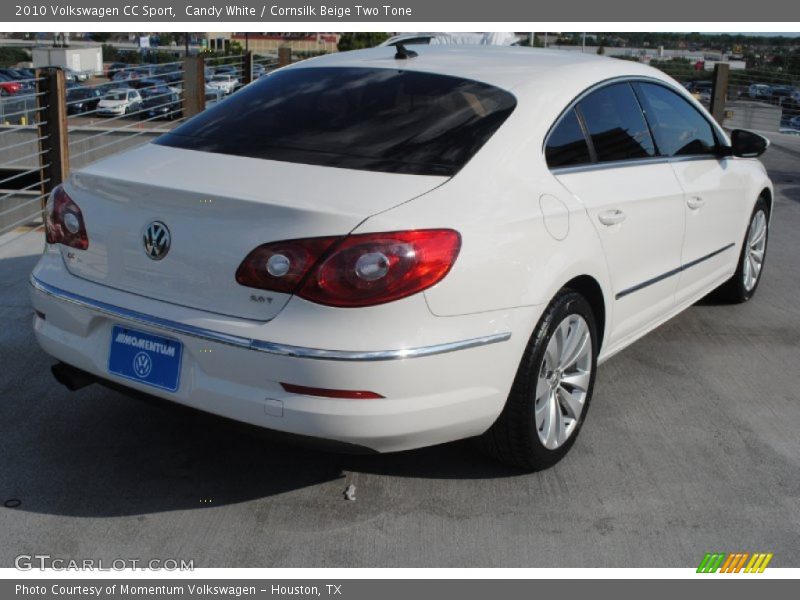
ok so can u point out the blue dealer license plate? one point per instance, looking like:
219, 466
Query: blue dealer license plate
145, 358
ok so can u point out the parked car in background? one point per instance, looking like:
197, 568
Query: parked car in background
227, 70
701, 90
74, 75
114, 68
118, 102
128, 75
783, 95
82, 100
26, 84
171, 73
760, 91
258, 70
147, 82
213, 95
226, 83
161, 103
403, 252
9, 86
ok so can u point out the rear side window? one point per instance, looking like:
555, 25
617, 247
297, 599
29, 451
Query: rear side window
678, 127
567, 145
388, 120
616, 125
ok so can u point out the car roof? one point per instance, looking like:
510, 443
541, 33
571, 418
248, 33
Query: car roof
502, 66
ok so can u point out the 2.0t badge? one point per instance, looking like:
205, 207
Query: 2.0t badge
156, 240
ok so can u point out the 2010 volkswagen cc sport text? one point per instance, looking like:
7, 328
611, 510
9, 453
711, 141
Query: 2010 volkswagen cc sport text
392, 250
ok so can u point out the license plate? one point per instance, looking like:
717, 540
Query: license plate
145, 358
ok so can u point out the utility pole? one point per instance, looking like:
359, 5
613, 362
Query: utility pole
583, 42
186, 41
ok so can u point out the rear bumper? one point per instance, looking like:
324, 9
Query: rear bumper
433, 393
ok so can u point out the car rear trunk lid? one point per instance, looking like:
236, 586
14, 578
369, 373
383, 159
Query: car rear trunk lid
217, 208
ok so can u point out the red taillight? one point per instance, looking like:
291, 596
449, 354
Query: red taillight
329, 393
359, 270
280, 266
64, 221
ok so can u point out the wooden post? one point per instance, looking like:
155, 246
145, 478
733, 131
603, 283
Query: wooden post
247, 67
284, 56
52, 125
194, 85
719, 92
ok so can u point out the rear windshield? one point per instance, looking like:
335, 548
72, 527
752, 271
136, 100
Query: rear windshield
356, 118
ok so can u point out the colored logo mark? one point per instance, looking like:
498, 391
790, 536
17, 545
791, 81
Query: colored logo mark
735, 562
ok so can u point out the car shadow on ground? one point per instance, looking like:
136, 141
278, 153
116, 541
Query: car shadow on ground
100, 453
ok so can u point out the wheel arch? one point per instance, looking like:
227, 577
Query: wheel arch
766, 194
588, 287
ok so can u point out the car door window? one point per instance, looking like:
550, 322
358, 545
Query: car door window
567, 145
616, 125
678, 127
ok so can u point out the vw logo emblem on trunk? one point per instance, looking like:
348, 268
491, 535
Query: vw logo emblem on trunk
156, 240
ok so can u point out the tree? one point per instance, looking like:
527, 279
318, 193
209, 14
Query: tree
9, 56
601, 50
355, 41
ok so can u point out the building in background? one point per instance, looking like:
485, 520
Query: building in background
83, 59
268, 43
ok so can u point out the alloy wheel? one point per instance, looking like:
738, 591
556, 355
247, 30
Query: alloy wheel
563, 381
753, 256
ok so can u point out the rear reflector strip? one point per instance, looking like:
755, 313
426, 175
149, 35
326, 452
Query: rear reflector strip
326, 393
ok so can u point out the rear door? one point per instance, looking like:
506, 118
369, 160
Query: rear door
633, 199
713, 189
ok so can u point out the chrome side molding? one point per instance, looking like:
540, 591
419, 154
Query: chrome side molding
258, 345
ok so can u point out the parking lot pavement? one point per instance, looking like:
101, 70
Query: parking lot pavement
691, 445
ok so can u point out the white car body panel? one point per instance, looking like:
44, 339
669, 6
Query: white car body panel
652, 204
526, 232
214, 230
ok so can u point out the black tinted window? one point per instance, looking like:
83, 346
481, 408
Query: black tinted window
357, 118
678, 127
566, 145
616, 124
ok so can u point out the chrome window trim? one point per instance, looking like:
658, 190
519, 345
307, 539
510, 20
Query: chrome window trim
259, 345
637, 162
630, 79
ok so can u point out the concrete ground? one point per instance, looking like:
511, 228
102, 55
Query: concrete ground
692, 445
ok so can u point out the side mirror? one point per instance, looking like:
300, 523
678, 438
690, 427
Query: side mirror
748, 144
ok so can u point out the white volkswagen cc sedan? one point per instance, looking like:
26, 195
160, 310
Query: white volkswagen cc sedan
389, 249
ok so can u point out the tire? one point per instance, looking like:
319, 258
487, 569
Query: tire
738, 288
519, 436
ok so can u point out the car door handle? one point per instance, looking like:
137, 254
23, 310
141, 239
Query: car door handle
611, 217
695, 202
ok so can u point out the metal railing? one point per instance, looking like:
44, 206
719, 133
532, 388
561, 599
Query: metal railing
764, 99
23, 151
49, 128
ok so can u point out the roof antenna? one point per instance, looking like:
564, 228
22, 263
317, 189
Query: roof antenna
403, 53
